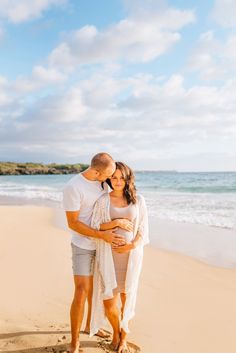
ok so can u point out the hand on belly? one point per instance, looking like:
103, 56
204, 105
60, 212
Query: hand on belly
125, 224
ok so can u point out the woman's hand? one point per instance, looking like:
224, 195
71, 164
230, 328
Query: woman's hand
123, 248
125, 223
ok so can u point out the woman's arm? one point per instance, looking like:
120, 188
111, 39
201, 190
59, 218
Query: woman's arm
118, 222
137, 240
143, 227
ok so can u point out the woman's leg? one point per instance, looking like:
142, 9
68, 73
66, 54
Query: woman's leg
112, 313
123, 300
123, 336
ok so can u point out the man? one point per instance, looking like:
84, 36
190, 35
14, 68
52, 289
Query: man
79, 197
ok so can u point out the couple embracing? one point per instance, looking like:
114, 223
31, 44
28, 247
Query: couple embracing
109, 226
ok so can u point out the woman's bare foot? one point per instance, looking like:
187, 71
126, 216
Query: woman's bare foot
74, 348
100, 333
115, 342
123, 348
113, 346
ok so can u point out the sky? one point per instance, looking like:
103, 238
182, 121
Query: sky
152, 82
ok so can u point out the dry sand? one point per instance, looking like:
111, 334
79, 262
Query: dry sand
184, 306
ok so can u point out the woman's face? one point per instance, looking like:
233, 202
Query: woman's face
118, 181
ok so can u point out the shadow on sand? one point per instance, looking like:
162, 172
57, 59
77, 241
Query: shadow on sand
101, 344
58, 348
24, 333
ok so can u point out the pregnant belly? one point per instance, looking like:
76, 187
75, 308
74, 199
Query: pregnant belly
128, 235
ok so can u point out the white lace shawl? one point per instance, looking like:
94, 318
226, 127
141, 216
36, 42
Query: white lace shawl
104, 271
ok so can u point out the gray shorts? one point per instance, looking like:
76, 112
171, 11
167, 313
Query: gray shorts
82, 261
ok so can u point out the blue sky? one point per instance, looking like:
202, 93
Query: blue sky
151, 82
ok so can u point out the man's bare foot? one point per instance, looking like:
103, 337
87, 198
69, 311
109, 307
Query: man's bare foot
74, 348
123, 348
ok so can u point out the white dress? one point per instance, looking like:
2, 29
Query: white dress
104, 271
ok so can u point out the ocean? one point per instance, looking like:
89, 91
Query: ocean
201, 198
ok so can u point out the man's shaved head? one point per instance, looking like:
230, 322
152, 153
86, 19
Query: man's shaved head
102, 161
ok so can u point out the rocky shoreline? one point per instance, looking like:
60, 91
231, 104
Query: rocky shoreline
11, 168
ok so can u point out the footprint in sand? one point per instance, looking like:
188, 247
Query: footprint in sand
105, 345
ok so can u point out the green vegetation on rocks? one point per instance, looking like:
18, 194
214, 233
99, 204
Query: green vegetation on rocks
11, 168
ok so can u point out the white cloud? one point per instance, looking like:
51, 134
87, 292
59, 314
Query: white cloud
2, 32
4, 94
230, 50
4, 99
224, 13
19, 11
124, 116
3, 82
40, 78
68, 107
212, 58
15, 95
135, 39
151, 121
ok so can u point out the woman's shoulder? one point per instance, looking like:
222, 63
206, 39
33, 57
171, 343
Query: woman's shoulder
103, 198
140, 198
141, 203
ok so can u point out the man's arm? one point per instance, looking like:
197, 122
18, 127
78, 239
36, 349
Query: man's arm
83, 229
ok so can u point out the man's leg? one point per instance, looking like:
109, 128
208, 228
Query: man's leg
82, 284
89, 299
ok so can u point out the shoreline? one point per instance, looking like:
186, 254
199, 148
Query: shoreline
215, 246
183, 305
183, 199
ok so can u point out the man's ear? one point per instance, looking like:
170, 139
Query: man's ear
95, 171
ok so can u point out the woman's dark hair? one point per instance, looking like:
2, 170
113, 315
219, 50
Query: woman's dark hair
128, 175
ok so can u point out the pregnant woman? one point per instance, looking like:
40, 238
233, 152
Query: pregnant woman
117, 268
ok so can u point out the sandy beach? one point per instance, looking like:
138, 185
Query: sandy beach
184, 305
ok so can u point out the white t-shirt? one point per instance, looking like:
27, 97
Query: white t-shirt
80, 194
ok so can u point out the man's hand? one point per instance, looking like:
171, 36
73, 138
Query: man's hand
123, 248
111, 237
125, 223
